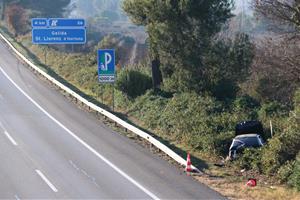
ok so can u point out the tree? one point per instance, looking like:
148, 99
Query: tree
4, 4
284, 10
44, 8
15, 12
227, 65
16, 19
179, 33
276, 69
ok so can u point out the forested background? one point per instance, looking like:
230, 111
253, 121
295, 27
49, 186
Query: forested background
188, 71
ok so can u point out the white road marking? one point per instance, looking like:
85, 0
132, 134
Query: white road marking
92, 179
17, 198
10, 138
91, 149
1, 125
46, 180
73, 165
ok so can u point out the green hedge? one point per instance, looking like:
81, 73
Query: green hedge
294, 179
133, 82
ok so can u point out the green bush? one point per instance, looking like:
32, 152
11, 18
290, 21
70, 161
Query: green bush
86, 77
187, 118
270, 110
122, 101
283, 147
246, 107
222, 143
148, 108
225, 89
245, 103
188, 115
270, 156
275, 112
285, 171
297, 103
133, 83
188, 108
295, 176
250, 159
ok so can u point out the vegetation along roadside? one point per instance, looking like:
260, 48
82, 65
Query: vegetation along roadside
192, 79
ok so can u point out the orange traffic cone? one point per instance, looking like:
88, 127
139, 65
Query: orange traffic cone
188, 167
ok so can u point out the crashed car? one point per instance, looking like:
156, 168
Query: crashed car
247, 127
241, 142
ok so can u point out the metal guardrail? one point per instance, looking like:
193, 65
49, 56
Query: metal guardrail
96, 108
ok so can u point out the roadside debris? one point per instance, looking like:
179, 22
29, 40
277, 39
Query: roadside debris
251, 182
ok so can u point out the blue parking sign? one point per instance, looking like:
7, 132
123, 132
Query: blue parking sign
106, 65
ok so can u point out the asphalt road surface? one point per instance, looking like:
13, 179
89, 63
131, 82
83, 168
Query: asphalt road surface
51, 149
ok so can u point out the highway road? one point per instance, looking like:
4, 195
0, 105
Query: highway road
51, 149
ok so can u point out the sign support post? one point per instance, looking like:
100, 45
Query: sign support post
45, 56
102, 94
113, 107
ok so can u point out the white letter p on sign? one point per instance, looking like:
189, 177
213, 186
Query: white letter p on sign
108, 60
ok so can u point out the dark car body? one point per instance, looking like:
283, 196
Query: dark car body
244, 141
247, 127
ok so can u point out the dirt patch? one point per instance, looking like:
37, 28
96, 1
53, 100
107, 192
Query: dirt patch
236, 188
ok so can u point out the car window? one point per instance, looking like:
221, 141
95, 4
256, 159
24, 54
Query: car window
236, 143
261, 139
251, 142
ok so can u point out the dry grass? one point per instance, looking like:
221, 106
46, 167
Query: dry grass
237, 189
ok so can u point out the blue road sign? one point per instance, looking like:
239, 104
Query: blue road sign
58, 22
59, 36
58, 31
106, 65
39, 22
